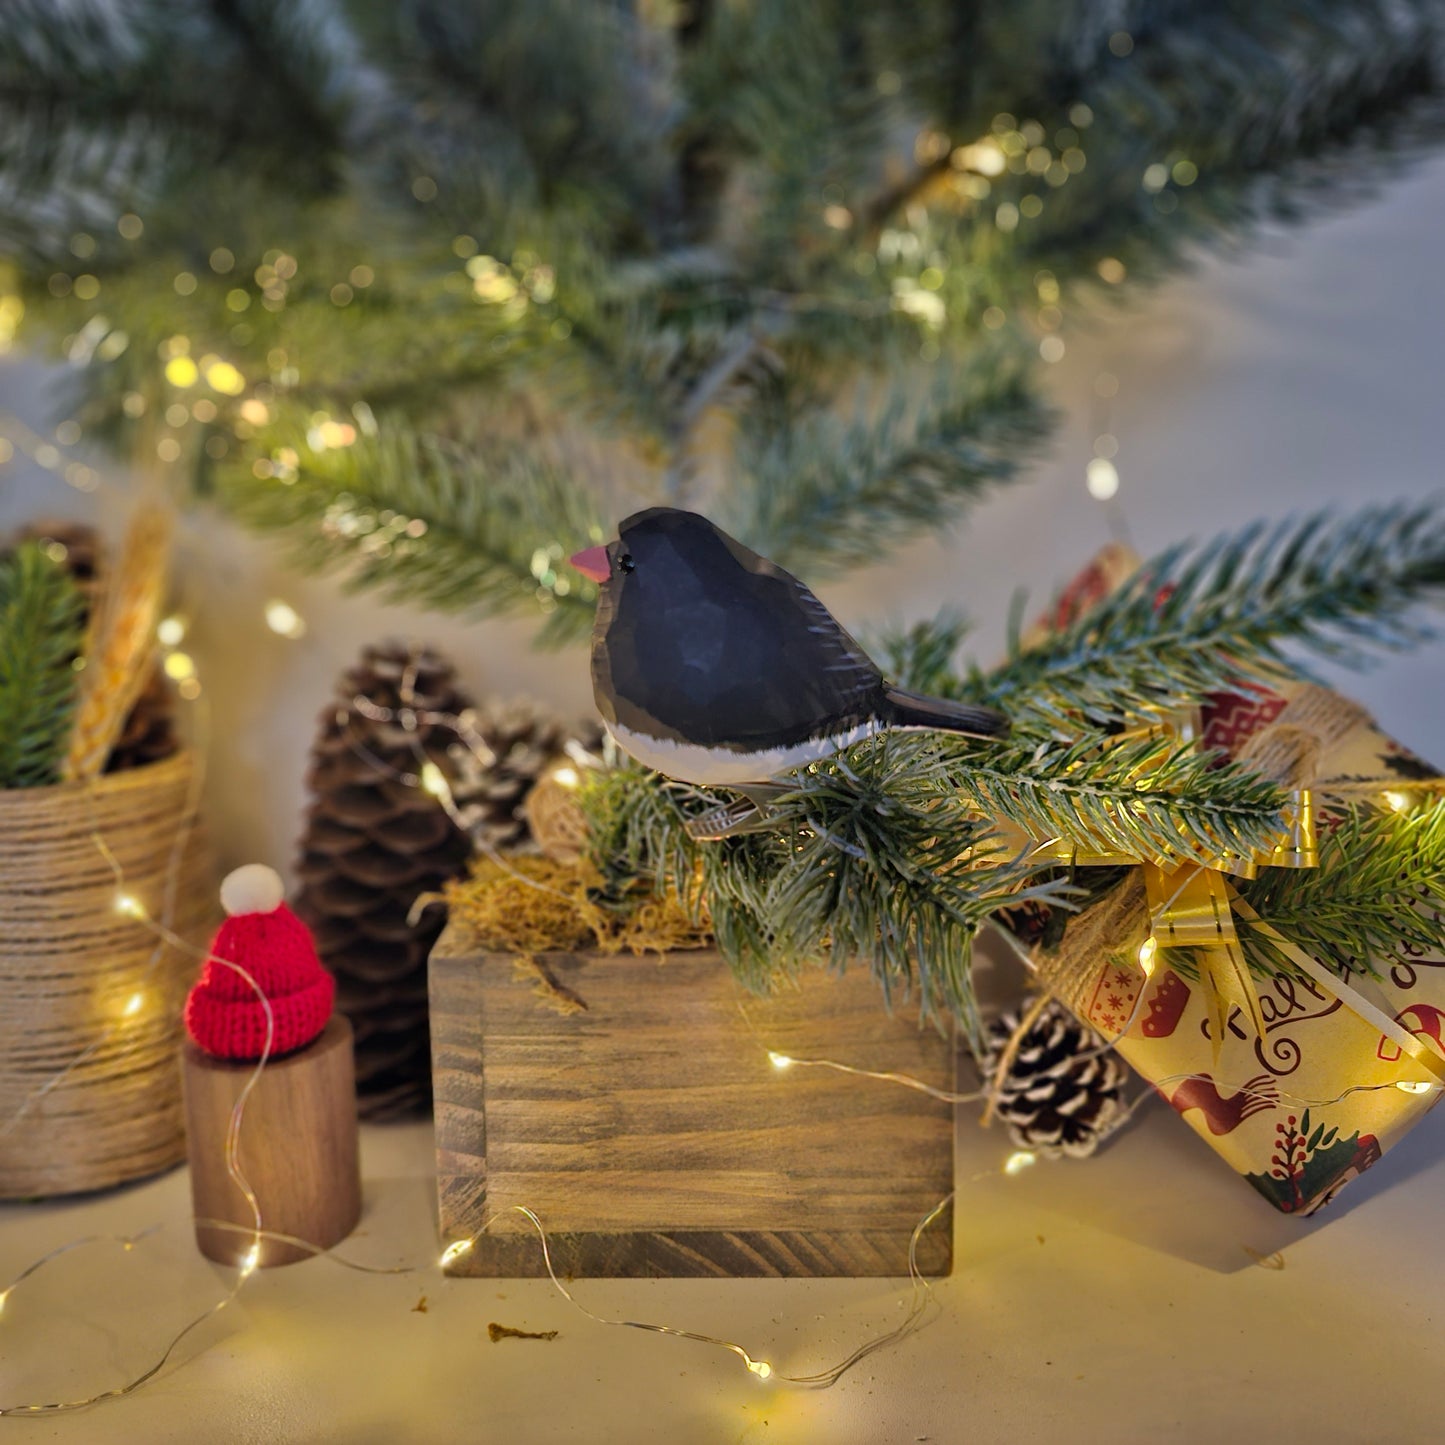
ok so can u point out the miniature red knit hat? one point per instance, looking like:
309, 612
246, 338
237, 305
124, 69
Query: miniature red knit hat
264, 937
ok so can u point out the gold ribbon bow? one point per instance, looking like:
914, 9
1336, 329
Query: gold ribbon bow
1191, 903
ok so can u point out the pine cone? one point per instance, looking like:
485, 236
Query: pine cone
1053, 1099
373, 842
524, 741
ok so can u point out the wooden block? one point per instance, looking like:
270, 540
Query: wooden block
298, 1147
653, 1136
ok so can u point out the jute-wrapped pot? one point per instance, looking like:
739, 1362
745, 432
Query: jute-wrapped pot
90, 998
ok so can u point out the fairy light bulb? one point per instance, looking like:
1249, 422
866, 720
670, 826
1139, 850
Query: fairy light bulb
170, 631
434, 781
1414, 1086
779, 1061
251, 1261
1018, 1161
1148, 953
133, 1005
129, 906
566, 777
761, 1368
1102, 479
284, 620
455, 1251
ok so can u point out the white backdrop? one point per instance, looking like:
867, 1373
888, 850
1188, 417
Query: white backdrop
1307, 372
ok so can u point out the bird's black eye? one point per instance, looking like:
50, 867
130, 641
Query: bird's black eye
625, 562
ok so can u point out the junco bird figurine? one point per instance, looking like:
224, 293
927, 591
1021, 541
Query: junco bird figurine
714, 666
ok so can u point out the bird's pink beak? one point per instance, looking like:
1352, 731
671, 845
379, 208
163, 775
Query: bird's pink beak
592, 563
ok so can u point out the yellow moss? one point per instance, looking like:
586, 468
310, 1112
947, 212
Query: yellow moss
527, 906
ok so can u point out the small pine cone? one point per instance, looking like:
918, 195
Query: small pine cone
519, 743
1064, 1090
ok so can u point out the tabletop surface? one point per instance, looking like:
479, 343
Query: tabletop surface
1143, 1294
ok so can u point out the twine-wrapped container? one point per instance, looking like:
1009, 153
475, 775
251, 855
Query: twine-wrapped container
90, 998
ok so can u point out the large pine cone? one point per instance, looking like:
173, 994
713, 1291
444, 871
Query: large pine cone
375, 840
1064, 1091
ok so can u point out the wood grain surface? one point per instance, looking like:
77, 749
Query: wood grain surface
653, 1136
298, 1147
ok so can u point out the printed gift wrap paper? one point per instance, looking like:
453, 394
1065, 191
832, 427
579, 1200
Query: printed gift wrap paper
1346, 1064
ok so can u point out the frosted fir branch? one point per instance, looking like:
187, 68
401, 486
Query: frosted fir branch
849, 870
423, 522
821, 492
1200, 618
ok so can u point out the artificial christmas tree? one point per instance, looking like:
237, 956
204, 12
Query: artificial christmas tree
800, 260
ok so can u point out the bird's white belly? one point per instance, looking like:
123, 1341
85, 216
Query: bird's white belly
690, 763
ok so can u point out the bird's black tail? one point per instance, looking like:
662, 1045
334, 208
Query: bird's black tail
914, 710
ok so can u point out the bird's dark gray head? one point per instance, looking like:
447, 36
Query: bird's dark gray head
667, 550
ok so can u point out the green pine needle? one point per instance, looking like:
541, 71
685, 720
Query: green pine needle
886, 853
923, 656
820, 492
1150, 797
41, 619
1378, 895
1201, 618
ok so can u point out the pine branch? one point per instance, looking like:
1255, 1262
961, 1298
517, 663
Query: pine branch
822, 492
41, 620
1197, 619
551, 104
423, 522
1273, 109
1378, 894
887, 853
924, 656
108, 107
1149, 796
866, 861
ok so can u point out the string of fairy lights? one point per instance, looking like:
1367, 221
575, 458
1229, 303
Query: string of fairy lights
428, 776
972, 172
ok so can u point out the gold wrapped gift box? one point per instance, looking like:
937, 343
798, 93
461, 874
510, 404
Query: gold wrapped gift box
1344, 1064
